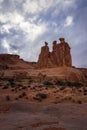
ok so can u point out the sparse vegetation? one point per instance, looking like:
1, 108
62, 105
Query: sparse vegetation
30, 80
48, 83
22, 95
68, 83
59, 82
5, 87
11, 82
79, 102
42, 95
62, 88
37, 98
85, 92
8, 98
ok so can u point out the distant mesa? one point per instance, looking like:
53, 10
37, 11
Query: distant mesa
59, 57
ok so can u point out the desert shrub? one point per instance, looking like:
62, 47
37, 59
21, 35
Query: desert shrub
8, 98
16, 98
24, 87
79, 102
33, 88
77, 84
70, 98
30, 81
26, 97
11, 82
48, 83
62, 88
74, 84
68, 83
46, 88
12, 90
85, 92
59, 82
5, 87
37, 98
41, 95
19, 85
80, 90
22, 95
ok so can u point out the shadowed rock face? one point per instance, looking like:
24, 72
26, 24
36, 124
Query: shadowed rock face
60, 56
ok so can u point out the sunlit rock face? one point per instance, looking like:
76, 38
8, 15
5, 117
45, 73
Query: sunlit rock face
60, 55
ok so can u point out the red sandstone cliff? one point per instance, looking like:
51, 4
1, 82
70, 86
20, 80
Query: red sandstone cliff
9, 61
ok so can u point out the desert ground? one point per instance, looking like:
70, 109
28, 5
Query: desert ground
19, 115
47, 99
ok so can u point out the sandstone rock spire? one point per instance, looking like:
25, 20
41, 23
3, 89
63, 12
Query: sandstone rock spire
60, 55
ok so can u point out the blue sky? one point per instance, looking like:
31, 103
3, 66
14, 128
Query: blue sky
26, 24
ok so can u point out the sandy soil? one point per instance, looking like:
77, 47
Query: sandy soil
42, 116
64, 108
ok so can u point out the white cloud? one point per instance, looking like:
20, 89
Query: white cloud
68, 2
6, 45
13, 17
1, 1
31, 6
32, 30
5, 28
34, 7
68, 21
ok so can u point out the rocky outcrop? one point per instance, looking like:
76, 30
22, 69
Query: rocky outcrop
8, 58
60, 55
10, 61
